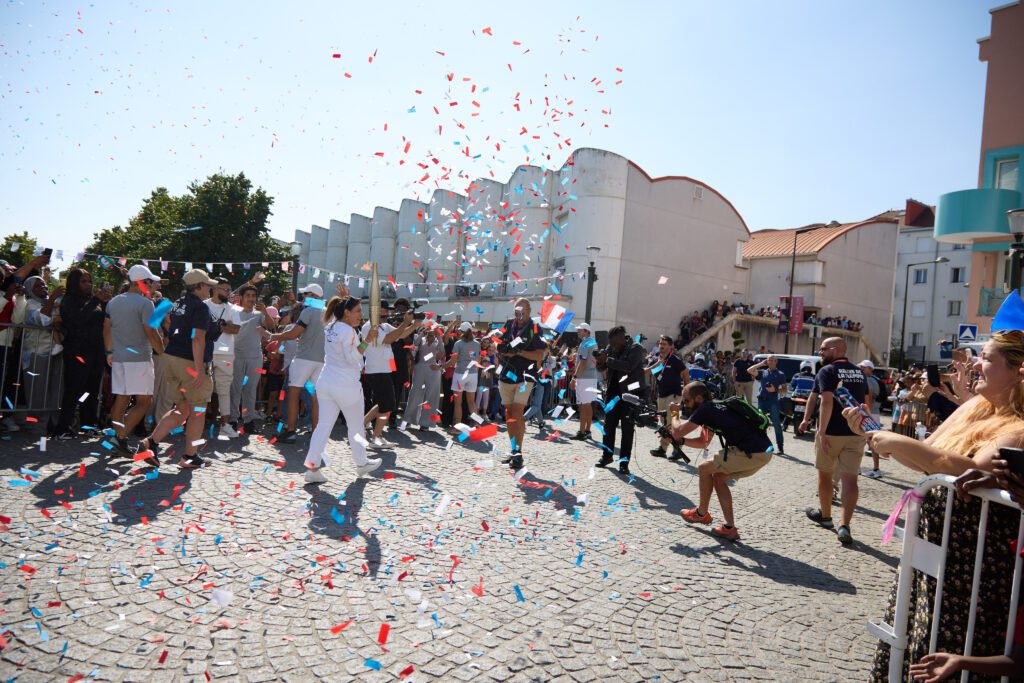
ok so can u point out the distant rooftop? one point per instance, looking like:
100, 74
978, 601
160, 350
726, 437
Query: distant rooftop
768, 243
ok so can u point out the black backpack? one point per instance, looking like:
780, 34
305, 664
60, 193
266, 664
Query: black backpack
750, 414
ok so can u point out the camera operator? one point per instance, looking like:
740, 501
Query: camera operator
672, 376
623, 362
746, 450
380, 363
521, 349
401, 351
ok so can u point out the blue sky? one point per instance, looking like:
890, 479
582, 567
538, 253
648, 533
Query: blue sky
796, 111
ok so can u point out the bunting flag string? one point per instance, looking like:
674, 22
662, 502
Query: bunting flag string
317, 272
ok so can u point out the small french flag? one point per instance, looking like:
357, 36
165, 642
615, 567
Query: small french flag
555, 317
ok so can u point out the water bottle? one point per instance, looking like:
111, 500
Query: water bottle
922, 431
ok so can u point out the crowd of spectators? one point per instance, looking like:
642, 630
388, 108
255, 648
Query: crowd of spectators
694, 324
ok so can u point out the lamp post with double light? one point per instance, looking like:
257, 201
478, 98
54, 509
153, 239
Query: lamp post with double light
906, 297
296, 251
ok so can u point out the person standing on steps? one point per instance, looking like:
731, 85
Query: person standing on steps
339, 389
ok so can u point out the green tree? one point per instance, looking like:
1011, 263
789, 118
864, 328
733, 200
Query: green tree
220, 219
23, 254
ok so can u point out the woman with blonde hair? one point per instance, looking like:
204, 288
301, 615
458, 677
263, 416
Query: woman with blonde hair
971, 438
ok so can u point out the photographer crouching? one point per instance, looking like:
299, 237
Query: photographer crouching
746, 449
623, 363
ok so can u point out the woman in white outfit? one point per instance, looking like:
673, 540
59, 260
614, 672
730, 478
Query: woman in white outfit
338, 388
425, 387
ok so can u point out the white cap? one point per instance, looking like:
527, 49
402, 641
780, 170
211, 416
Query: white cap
866, 364
141, 272
583, 326
314, 289
198, 277
465, 327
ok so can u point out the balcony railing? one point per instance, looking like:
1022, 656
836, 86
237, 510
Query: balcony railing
991, 299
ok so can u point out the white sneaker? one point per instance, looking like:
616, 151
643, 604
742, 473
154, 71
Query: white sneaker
873, 474
370, 466
316, 476
11, 425
379, 444
228, 431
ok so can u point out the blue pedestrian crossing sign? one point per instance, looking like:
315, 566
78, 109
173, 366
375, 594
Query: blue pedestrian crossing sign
967, 333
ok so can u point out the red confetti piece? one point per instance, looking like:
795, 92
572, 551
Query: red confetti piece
406, 671
335, 630
484, 432
45, 512
28, 569
142, 455
484, 525
382, 637
389, 475
53, 604
163, 657
5, 520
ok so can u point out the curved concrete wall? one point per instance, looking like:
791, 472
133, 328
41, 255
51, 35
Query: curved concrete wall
359, 235
337, 247
411, 254
384, 229
443, 236
527, 194
485, 244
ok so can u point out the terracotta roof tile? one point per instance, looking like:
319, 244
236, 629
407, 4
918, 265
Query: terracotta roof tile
768, 243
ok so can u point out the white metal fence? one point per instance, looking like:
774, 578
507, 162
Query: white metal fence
930, 559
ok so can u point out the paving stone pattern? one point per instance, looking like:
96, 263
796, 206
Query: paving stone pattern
440, 566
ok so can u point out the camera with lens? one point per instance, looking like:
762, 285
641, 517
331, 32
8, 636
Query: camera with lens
647, 416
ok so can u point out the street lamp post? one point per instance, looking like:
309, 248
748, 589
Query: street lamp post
906, 297
591, 279
296, 251
792, 276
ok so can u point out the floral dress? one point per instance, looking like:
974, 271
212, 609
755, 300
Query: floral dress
993, 599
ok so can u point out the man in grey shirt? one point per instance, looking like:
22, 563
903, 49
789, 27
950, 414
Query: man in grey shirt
253, 323
465, 353
585, 380
309, 355
130, 341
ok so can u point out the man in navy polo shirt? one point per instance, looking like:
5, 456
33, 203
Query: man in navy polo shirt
188, 354
773, 385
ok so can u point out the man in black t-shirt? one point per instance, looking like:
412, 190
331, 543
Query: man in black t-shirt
743, 379
521, 350
188, 353
746, 451
836, 447
672, 376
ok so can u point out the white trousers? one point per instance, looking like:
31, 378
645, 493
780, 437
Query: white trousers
335, 396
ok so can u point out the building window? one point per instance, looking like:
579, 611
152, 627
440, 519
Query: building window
915, 338
954, 309
558, 265
918, 309
956, 274
959, 247
924, 244
920, 276
1007, 174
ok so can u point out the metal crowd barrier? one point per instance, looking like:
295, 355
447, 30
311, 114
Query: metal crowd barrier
930, 559
31, 382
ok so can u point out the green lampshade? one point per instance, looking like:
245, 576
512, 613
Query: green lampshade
967, 216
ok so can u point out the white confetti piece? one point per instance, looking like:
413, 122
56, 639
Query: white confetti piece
521, 473
662, 280
442, 506
221, 597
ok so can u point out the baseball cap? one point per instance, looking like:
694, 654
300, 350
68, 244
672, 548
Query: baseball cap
272, 312
866, 364
197, 277
583, 326
140, 272
314, 289
465, 327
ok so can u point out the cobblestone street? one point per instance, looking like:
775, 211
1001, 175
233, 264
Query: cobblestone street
439, 566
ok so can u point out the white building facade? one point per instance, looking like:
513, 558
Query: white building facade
470, 254
938, 292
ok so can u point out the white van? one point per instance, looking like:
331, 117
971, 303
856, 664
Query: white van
789, 364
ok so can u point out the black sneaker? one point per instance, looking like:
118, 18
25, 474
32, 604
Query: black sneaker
659, 452
147, 445
678, 454
814, 514
624, 467
845, 537
516, 461
288, 437
191, 462
604, 461
580, 436
67, 436
120, 449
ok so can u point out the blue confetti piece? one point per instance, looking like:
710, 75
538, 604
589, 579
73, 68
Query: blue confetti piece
576, 515
337, 517
217, 540
245, 380
312, 302
199, 409
463, 436
613, 500
579, 560
18, 482
372, 664
31, 473
153, 474
310, 387
42, 634
160, 312
131, 350
35, 611
611, 404
145, 580
519, 593
8, 402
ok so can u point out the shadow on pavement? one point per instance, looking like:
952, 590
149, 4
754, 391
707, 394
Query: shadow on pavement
338, 518
543, 491
778, 568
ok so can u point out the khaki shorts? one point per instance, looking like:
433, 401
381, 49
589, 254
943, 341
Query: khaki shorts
179, 382
846, 452
739, 464
510, 393
663, 403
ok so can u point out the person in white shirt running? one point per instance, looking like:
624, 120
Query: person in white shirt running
338, 389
